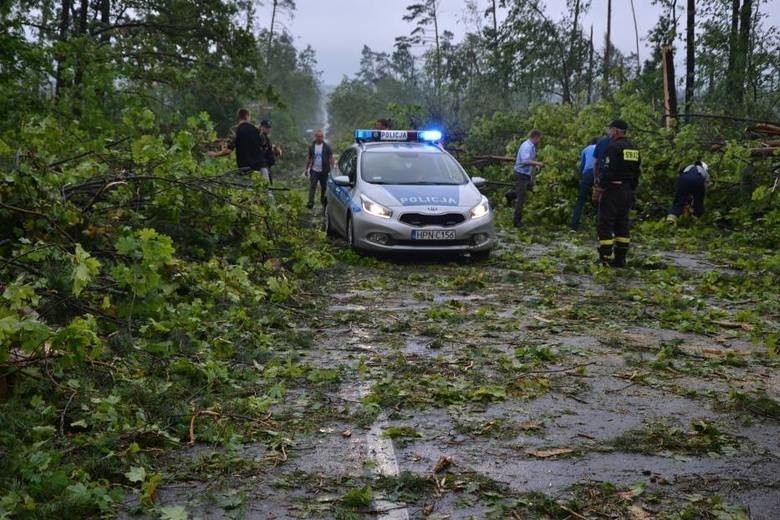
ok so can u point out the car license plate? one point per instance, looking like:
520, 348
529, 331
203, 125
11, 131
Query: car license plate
433, 234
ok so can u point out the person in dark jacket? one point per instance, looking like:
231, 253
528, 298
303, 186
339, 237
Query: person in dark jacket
244, 138
691, 184
318, 165
267, 149
617, 180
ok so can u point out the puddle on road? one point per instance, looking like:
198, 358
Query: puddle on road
693, 262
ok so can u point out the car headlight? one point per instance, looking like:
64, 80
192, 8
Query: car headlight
481, 209
374, 208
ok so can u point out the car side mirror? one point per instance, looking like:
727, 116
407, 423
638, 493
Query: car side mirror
342, 180
478, 181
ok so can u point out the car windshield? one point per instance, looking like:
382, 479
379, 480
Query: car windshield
410, 167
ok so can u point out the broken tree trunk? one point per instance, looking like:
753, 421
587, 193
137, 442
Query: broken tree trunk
494, 158
670, 94
765, 128
763, 152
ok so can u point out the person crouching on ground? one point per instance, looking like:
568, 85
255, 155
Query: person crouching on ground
691, 183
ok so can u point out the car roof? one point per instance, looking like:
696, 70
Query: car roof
400, 146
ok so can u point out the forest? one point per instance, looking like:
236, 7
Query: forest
153, 299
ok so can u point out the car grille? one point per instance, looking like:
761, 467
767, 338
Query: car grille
421, 220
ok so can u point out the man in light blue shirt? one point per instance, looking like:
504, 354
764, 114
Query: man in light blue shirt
586, 182
525, 164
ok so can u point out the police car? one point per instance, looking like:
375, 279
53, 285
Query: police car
397, 190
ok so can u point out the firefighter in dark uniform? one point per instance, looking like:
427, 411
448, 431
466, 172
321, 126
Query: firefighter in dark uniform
617, 181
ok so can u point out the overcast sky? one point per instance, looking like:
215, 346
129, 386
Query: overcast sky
338, 29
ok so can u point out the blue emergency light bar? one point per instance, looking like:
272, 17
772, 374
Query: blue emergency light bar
427, 136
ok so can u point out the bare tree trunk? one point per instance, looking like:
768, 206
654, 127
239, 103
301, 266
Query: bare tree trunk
64, 24
731, 72
670, 94
434, 14
690, 57
105, 19
250, 16
495, 24
271, 35
751, 76
590, 67
743, 50
636, 35
607, 46
83, 11
42, 81
497, 56
82, 30
571, 54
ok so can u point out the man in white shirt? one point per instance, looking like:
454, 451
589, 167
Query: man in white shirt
525, 164
318, 166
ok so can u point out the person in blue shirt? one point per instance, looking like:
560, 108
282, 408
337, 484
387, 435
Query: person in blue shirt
586, 182
525, 164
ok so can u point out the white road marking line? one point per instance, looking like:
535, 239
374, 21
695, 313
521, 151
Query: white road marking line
382, 450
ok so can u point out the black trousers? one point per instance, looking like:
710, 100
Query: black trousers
315, 178
522, 184
613, 225
689, 185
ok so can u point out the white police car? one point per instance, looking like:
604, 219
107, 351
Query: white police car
397, 190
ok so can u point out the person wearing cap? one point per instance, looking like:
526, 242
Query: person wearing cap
244, 138
318, 165
691, 184
266, 149
525, 164
617, 181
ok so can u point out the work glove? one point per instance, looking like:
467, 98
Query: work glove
595, 195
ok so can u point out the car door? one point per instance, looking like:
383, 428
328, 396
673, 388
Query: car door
343, 194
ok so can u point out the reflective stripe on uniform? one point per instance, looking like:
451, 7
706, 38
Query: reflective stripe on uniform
623, 240
606, 242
